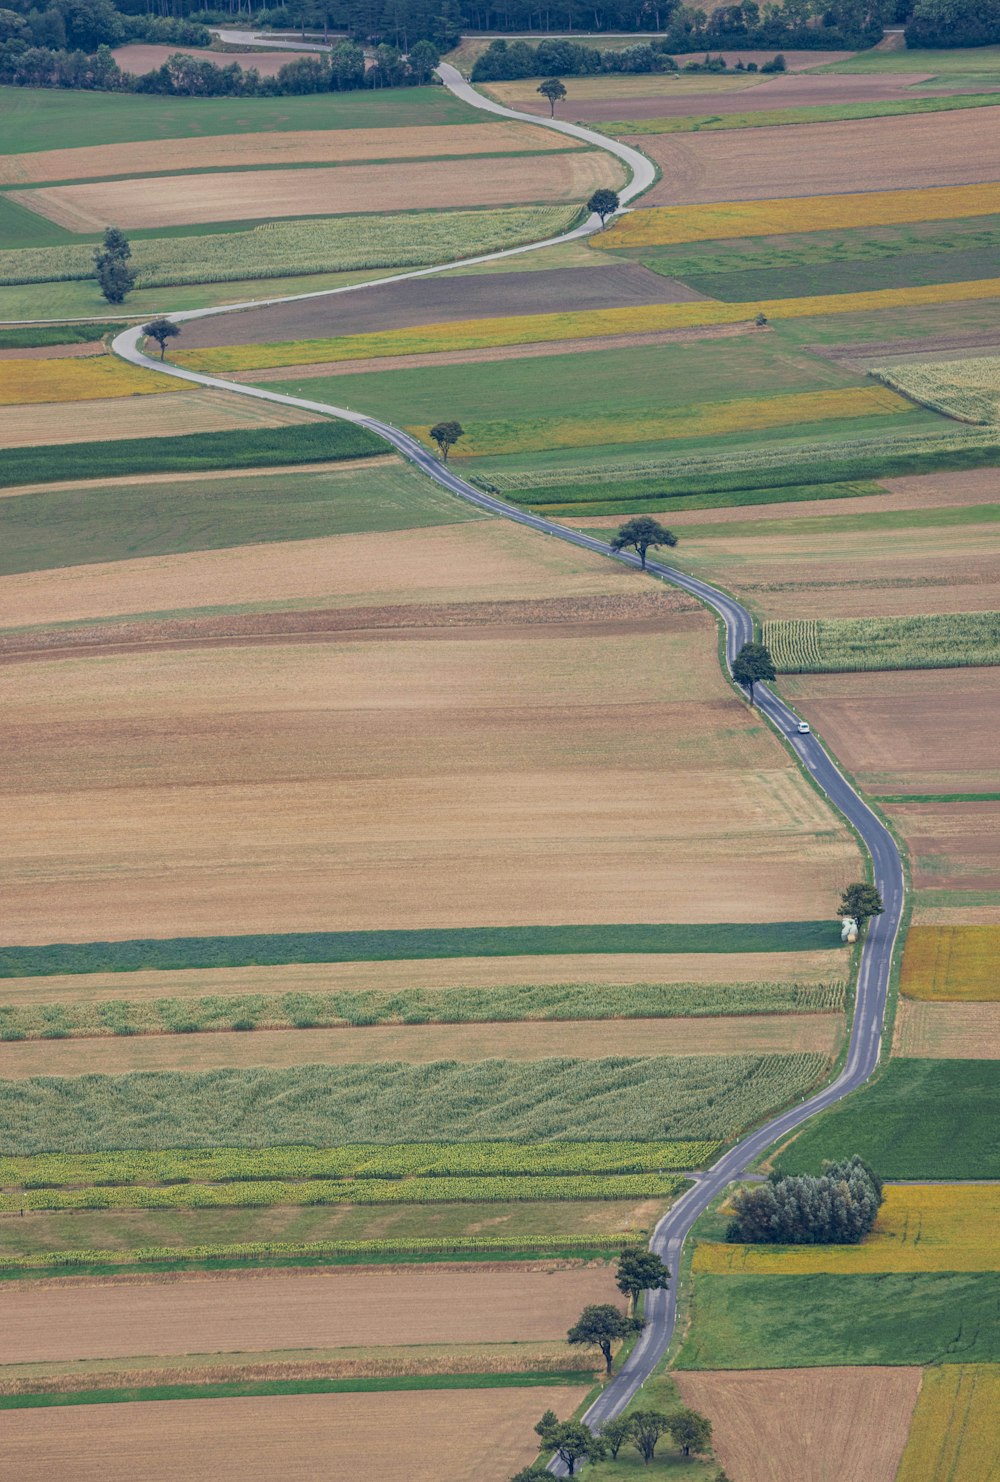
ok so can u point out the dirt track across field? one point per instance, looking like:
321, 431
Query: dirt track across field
442, 300
332, 1308
430, 1436
913, 151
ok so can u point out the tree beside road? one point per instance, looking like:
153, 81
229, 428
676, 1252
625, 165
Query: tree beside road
753, 665
639, 534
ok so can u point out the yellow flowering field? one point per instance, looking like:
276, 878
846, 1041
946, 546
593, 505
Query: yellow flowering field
923, 1227
704, 420
952, 962
953, 1435
31, 381
475, 334
666, 225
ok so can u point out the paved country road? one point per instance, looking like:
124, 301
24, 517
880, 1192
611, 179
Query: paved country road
879, 942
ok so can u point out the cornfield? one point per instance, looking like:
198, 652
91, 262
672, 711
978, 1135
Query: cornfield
968, 390
369, 1161
666, 225
280, 249
687, 1098
850, 645
953, 1433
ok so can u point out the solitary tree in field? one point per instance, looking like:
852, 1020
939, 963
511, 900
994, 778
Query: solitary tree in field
554, 90
691, 1431
861, 901
640, 533
640, 1270
602, 1325
114, 276
446, 435
753, 664
647, 1427
571, 1440
161, 330
616, 1433
604, 203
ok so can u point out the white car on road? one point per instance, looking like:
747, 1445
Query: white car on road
803, 728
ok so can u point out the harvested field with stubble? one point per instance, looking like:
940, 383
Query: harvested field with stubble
908, 731
415, 1437
315, 146
380, 746
178, 200
807, 1425
953, 846
108, 419
320, 1308
142, 56
418, 1043
947, 1031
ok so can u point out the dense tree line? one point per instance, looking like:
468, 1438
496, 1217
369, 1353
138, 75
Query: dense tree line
837, 1208
954, 23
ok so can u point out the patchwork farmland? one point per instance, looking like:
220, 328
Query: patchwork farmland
403, 911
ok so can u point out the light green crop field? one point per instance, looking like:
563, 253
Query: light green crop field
779, 117
119, 522
33, 119
824, 645
975, 64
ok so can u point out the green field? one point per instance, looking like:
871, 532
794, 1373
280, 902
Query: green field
765, 118
690, 1097
357, 1007
72, 527
789, 1322
24, 229
37, 335
832, 645
922, 1119
964, 63
257, 447
33, 119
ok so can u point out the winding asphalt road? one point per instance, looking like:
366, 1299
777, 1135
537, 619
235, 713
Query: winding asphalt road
879, 943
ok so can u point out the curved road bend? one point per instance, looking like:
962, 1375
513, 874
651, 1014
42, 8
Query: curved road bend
880, 940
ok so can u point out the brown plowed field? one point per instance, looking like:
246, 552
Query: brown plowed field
442, 300
311, 146
54, 352
947, 1031
908, 731
148, 416
436, 565
451, 972
908, 152
807, 1425
179, 200
954, 846
140, 56
427, 1436
763, 1034
404, 784
332, 1308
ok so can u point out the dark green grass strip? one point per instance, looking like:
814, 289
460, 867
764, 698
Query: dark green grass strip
938, 797
393, 946
377, 1384
259, 447
33, 336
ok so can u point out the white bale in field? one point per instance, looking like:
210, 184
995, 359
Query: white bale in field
849, 929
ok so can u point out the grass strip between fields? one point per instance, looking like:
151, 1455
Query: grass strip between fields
276, 949
814, 113
236, 1389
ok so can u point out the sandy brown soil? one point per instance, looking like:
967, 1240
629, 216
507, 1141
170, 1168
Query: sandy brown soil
313, 146
807, 1425
442, 300
948, 1031
139, 57
176, 200
54, 352
908, 152
332, 1308
764, 1034
298, 787
451, 972
146, 416
431, 1436
916, 730
953, 846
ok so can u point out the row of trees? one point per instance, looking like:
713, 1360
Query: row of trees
949, 23
573, 1441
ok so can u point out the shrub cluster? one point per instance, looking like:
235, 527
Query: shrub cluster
504, 60
837, 1208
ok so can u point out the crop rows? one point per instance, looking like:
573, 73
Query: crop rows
831, 645
665, 225
349, 1191
953, 1433
281, 248
474, 1246
358, 1008
968, 390
368, 1161
684, 1098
